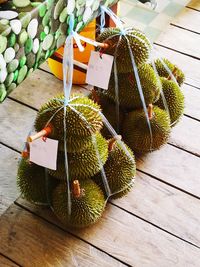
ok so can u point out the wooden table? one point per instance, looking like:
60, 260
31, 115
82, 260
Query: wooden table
156, 225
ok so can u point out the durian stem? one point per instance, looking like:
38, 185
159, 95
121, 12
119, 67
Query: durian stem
174, 72
150, 111
76, 189
95, 96
26, 152
45, 132
102, 45
112, 142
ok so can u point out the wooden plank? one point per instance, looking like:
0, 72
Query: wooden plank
132, 240
169, 199
32, 241
188, 19
171, 157
8, 189
192, 100
173, 166
189, 65
4, 262
9, 193
16, 122
45, 67
36, 98
181, 135
181, 40
164, 206
186, 135
194, 4
38, 88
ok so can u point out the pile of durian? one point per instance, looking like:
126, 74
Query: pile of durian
97, 168
99, 165
160, 82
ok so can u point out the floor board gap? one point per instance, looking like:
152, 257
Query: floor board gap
156, 226
10, 147
183, 28
8, 258
22, 103
70, 233
182, 53
171, 185
193, 8
185, 150
186, 83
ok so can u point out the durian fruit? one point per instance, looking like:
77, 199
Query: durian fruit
118, 47
120, 169
128, 92
174, 100
75, 144
82, 117
136, 132
87, 203
33, 183
162, 71
109, 110
85, 163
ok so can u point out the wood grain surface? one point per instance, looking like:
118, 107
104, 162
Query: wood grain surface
156, 224
131, 240
32, 241
4, 262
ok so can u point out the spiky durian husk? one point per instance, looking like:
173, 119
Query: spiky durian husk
109, 110
82, 117
33, 184
120, 169
139, 44
75, 144
85, 210
128, 91
136, 132
124, 192
84, 164
163, 72
174, 99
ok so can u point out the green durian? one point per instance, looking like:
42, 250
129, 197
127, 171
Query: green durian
85, 163
136, 132
118, 47
82, 117
128, 92
163, 72
34, 185
109, 110
174, 100
86, 209
120, 169
76, 144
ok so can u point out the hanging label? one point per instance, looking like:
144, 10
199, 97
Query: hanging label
44, 153
99, 69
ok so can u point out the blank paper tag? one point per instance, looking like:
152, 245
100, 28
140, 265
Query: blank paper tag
99, 69
44, 153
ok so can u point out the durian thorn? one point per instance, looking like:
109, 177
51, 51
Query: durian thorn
150, 111
95, 96
76, 189
43, 133
112, 142
174, 73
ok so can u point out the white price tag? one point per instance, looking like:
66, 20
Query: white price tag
44, 153
99, 69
